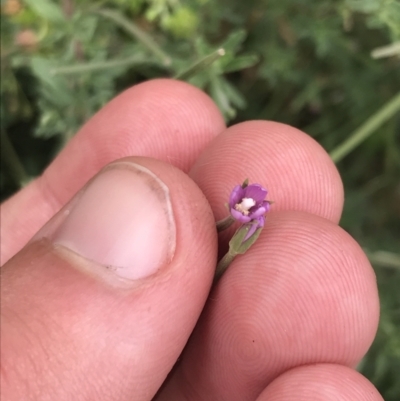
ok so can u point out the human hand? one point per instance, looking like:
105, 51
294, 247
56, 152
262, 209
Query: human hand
288, 320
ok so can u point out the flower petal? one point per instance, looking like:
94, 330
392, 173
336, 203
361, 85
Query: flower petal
258, 211
252, 230
237, 195
267, 206
261, 221
256, 192
239, 216
255, 224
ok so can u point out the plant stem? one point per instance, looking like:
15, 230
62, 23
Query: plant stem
200, 65
137, 33
101, 65
386, 51
10, 158
225, 223
384, 259
373, 123
223, 265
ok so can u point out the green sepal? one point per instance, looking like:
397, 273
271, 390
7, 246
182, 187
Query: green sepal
245, 183
248, 243
237, 239
237, 245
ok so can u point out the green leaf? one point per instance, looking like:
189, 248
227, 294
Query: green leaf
220, 97
46, 9
200, 65
241, 62
233, 94
84, 27
235, 40
366, 6
54, 87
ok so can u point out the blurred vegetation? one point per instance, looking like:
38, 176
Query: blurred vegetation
330, 68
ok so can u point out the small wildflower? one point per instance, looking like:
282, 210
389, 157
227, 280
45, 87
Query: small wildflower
247, 205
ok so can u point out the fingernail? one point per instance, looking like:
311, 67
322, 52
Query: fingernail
122, 220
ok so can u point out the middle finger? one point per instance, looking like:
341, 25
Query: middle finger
279, 305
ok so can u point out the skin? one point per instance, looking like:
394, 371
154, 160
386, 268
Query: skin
289, 319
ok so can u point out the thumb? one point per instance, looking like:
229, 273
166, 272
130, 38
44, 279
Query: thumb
100, 303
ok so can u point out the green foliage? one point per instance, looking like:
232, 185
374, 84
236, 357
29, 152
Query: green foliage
182, 23
301, 62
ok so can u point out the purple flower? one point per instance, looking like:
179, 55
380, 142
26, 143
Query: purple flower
248, 203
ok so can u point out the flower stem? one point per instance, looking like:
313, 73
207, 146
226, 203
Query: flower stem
200, 65
368, 128
137, 33
97, 66
390, 50
384, 259
223, 265
225, 223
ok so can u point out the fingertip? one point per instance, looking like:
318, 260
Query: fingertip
322, 281
304, 293
297, 171
321, 382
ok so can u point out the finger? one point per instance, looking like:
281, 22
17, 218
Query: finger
294, 168
321, 382
165, 119
304, 293
99, 305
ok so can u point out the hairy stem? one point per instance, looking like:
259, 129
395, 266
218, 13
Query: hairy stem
223, 265
97, 66
368, 128
137, 33
200, 65
224, 223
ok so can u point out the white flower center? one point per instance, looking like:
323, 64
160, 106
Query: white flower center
245, 205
